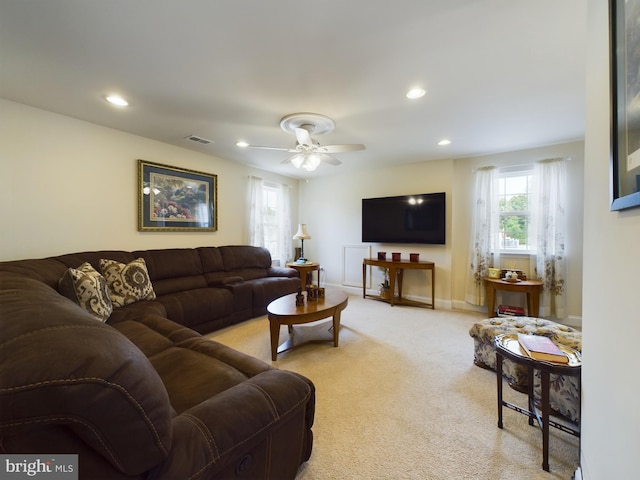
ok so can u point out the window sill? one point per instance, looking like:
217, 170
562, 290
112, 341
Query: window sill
517, 253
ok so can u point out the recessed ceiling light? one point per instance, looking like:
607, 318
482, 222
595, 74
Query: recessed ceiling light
117, 100
444, 142
416, 93
242, 144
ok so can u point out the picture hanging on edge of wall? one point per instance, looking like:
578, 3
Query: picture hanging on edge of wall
176, 199
625, 91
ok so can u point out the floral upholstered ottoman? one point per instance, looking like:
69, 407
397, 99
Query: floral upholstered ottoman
564, 391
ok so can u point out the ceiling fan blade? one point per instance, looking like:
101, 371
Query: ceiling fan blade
329, 159
272, 148
303, 137
341, 148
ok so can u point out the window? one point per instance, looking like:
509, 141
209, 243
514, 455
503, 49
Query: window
269, 221
515, 202
271, 217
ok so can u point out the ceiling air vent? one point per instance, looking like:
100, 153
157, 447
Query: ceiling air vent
195, 138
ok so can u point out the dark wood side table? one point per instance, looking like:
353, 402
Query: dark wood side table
532, 289
306, 272
396, 272
507, 346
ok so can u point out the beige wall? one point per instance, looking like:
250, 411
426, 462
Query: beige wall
463, 186
611, 315
70, 186
330, 207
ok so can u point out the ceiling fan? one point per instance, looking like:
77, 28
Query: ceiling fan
307, 153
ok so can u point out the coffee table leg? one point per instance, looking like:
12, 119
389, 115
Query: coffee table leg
274, 328
499, 377
336, 328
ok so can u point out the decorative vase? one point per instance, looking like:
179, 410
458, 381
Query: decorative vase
385, 293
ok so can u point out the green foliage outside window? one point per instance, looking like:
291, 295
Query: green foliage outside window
514, 220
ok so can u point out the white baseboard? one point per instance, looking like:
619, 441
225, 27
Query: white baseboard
571, 321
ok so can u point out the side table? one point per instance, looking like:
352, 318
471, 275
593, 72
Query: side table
507, 346
531, 288
306, 272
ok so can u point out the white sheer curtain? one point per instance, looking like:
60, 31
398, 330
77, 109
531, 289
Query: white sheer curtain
285, 227
550, 210
484, 247
256, 223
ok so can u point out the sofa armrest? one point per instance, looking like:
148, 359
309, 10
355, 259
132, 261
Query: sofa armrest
282, 272
230, 432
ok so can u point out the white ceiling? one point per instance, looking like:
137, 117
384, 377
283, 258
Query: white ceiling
500, 75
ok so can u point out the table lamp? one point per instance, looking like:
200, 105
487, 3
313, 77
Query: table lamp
302, 235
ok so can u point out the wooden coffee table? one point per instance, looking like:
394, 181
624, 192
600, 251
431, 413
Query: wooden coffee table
283, 311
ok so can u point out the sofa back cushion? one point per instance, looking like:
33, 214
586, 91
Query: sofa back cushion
212, 263
246, 261
99, 387
46, 270
74, 260
173, 269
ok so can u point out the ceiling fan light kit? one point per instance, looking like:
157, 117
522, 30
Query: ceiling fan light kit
309, 154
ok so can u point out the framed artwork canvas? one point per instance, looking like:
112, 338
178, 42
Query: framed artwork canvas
624, 16
176, 199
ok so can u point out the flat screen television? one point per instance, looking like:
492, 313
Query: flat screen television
405, 219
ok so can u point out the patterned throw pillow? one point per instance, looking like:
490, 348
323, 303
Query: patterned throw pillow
127, 283
86, 287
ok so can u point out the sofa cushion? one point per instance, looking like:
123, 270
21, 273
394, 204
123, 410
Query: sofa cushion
127, 283
46, 270
199, 309
246, 261
86, 287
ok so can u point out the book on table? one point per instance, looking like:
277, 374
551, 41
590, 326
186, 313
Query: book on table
542, 348
510, 311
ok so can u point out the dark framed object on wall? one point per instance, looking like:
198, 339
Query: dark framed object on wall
624, 17
176, 199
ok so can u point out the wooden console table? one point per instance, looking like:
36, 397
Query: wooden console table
396, 271
532, 288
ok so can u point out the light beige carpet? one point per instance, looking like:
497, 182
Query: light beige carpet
400, 398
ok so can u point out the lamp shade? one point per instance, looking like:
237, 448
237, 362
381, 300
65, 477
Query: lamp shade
297, 160
302, 234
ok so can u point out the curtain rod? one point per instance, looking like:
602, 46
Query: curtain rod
545, 160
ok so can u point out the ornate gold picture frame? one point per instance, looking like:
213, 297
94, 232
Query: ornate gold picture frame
176, 199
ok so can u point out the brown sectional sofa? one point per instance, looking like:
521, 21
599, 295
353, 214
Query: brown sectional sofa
144, 395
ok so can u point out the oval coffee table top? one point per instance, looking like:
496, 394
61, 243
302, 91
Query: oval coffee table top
286, 306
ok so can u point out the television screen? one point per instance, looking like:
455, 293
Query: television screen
405, 219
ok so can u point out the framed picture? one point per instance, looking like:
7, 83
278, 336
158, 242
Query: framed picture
176, 199
624, 16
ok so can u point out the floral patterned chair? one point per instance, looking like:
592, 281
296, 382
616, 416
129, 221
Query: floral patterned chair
564, 391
